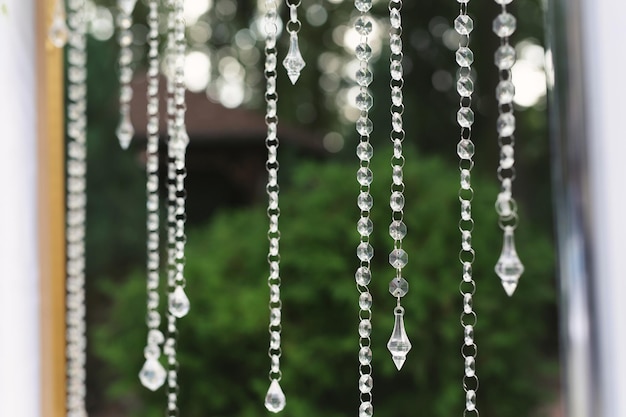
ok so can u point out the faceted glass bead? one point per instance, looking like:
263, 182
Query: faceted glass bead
275, 363
397, 230
467, 303
398, 258
366, 383
364, 126
398, 287
365, 201
364, 226
509, 267
505, 57
125, 131
293, 62
465, 149
179, 303
275, 316
467, 271
364, 151
465, 117
507, 156
465, 86
466, 210
463, 24
396, 122
274, 293
396, 201
395, 18
466, 240
365, 251
397, 175
274, 340
366, 409
365, 355
470, 366
468, 335
396, 96
365, 301
504, 25
152, 374
363, 52
275, 398
465, 179
58, 32
470, 400
505, 124
365, 328
464, 56
363, 26
364, 101
397, 148
505, 92
364, 176
395, 70
363, 5
399, 344
395, 44
364, 77
363, 276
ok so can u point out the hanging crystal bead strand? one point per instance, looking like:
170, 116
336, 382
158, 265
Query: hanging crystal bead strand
275, 398
293, 62
153, 374
178, 303
465, 150
76, 339
58, 31
399, 344
365, 202
509, 267
125, 130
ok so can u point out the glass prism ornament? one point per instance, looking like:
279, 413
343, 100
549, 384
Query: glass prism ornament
125, 131
509, 267
399, 344
179, 303
275, 398
127, 6
152, 374
293, 62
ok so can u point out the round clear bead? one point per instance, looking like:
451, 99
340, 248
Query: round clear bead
398, 287
366, 383
465, 86
365, 301
396, 201
397, 230
504, 57
464, 24
365, 201
363, 26
365, 251
364, 101
465, 117
364, 151
364, 176
507, 156
465, 149
364, 226
365, 328
363, 276
505, 92
366, 409
464, 56
363, 5
365, 355
364, 126
504, 25
398, 258
506, 124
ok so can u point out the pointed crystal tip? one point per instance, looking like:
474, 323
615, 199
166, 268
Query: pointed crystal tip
509, 287
58, 32
275, 399
509, 267
399, 361
125, 132
152, 374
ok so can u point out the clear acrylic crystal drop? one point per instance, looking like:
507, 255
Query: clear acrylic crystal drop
465, 86
465, 179
398, 287
397, 175
465, 117
58, 32
504, 25
363, 5
505, 92
397, 230
365, 355
363, 52
152, 374
293, 62
505, 124
505, 57
365, 301
396, 96
509, 267
398, 258
396, 201
395, 44
364, 101
365, 251
470, 366
125, 131
464, 25
399, 344
470, 400
468, 337
127, 6
275, 398
395, 18
464, 56
365, 328
366, 383
365, 201
179, 303
364, 126
364, 151
366, 409
365, 226
363, 26
364, 77
465, 149
364, 176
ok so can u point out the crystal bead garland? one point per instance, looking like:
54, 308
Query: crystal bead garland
509, 267
275, 398
293, 62
153, 374
465, 150
399, 344
178, 303
74, 35
125, 130
365, 202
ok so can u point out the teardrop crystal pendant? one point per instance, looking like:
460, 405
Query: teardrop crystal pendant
125, 131
399, 344
179, 303
152, 374
275, 399
293, 62
509, 267
58, 32
127, 6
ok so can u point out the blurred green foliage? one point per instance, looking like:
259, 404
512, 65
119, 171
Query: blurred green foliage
223, 341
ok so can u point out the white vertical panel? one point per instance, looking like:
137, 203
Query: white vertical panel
19, 287
605, 90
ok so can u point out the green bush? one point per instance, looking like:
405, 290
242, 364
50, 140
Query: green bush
223, 341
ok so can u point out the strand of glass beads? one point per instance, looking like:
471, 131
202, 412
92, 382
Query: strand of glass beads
125, 130
178, 302
399, 344
509, 267
365, 202
153, 374
275, 400
293, 62
76, 208
465, 150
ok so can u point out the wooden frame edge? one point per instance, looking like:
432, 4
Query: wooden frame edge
51, 214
